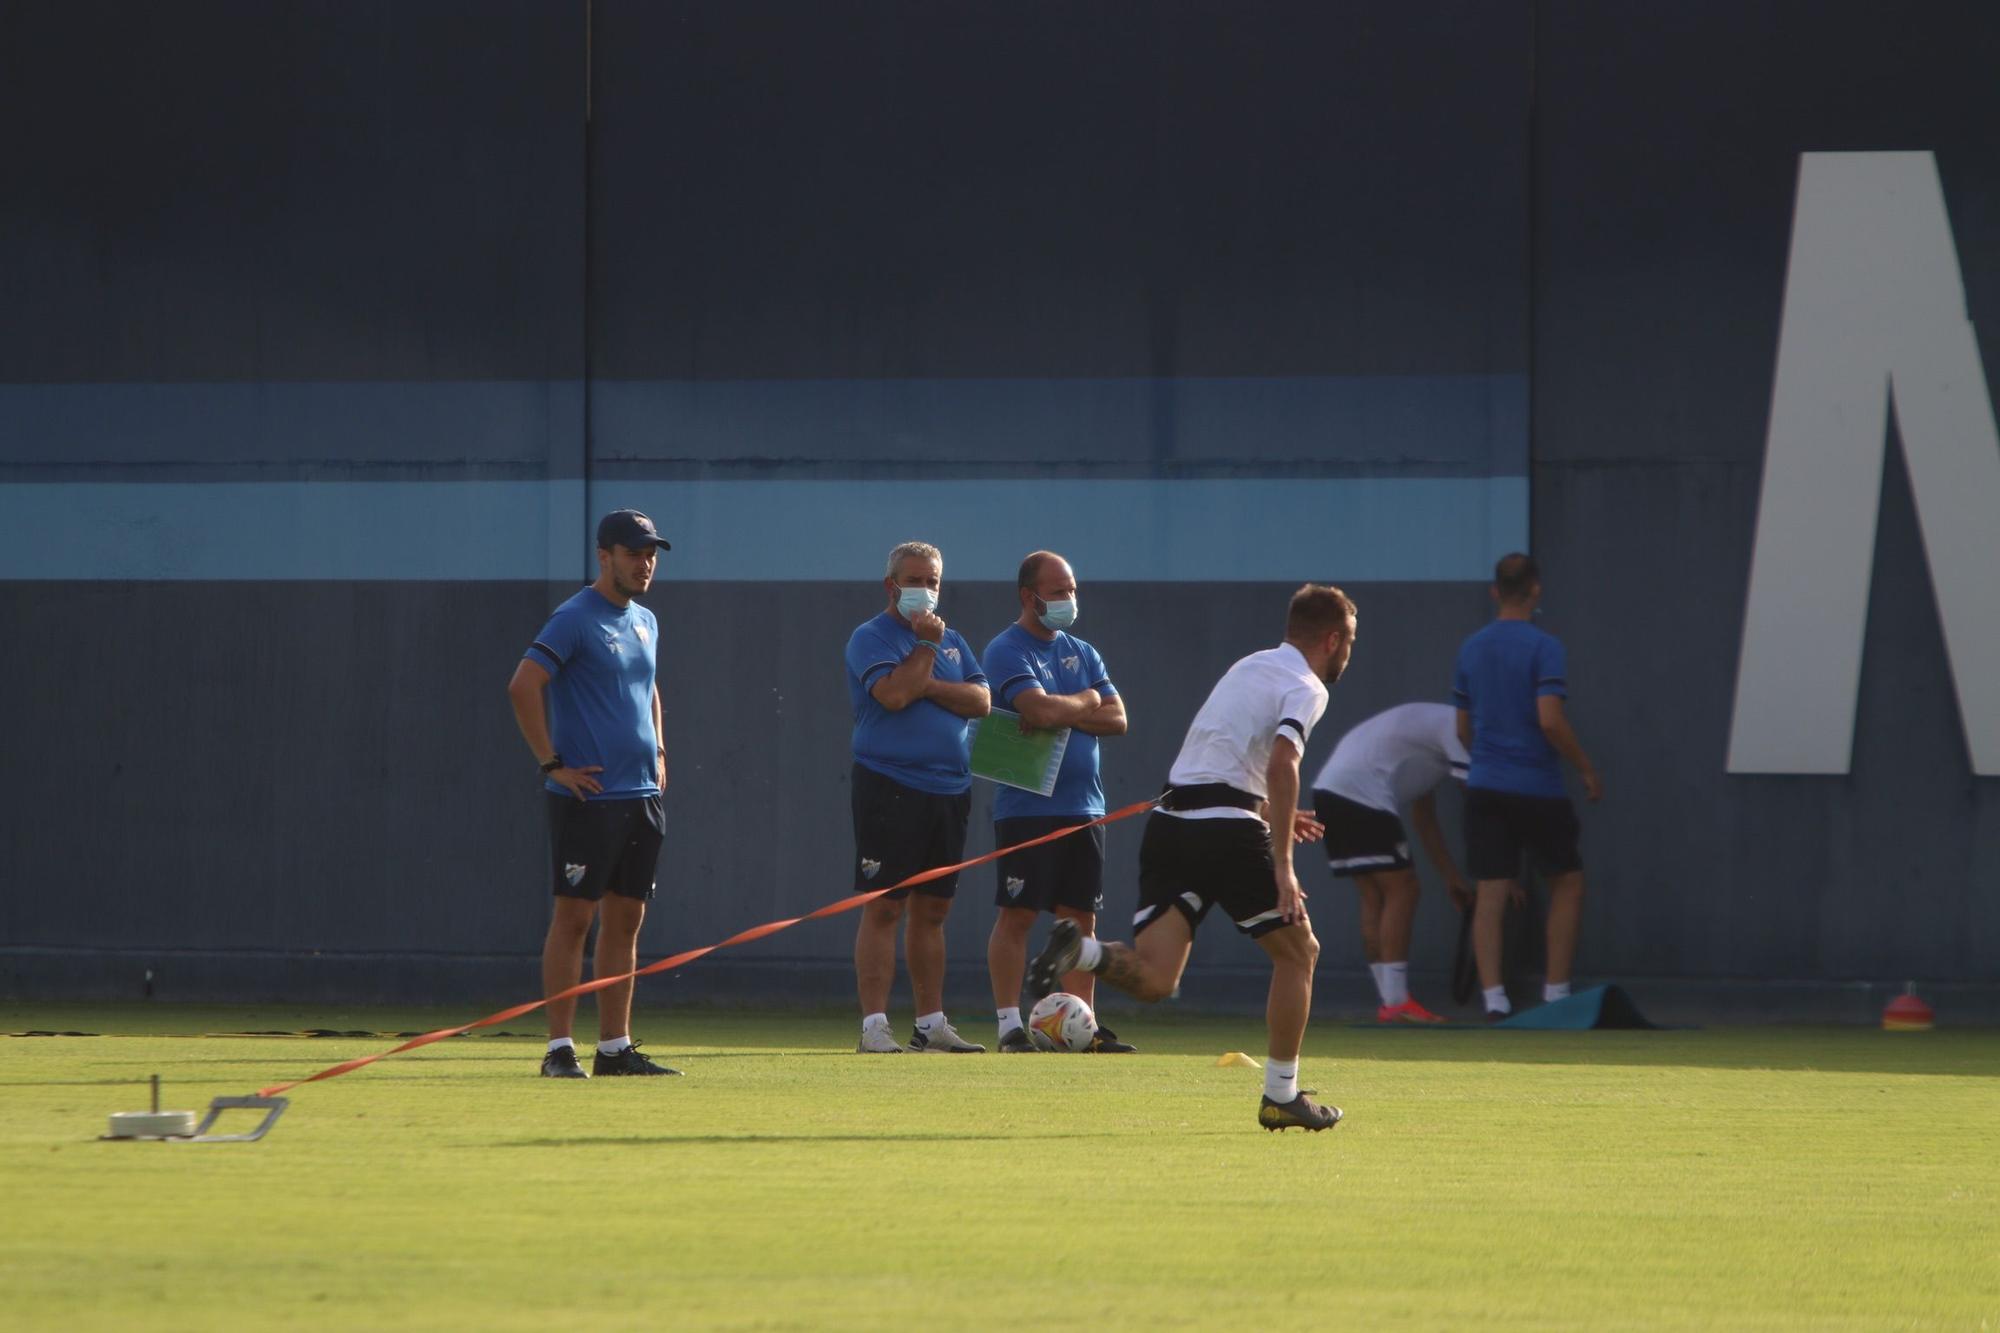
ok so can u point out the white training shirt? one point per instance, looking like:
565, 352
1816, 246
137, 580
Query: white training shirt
1395, 757
1263, 695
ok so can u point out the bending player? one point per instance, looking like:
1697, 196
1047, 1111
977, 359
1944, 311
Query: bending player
1223, 836
1393, 759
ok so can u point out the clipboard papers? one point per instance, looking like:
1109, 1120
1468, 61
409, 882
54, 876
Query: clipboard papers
1001, 753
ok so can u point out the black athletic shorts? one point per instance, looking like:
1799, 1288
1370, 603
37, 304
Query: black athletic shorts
1068, 872
1360, 840
599, 847
1191, 865
1500, 825
900, 830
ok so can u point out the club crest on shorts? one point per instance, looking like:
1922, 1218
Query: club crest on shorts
869, 868
1014, 886
574, 873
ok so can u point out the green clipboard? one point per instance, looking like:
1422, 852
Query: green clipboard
1002, 753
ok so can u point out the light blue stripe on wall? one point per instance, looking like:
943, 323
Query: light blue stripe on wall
1261, 529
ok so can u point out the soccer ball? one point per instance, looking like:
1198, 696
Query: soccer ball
1062, 1022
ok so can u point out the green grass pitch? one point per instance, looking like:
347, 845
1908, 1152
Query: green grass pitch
1760, 1178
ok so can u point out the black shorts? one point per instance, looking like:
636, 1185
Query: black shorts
1191, 865
599, 847
900, 830
1068, 872
1500, 825
1360, 840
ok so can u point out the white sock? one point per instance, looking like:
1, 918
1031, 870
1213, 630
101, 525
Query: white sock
1381, 986
1554, 990
930, 1022
1496, 1000
558, 1043
1281, 1080
875, 1021
1395, 983
1089, 954
1009, 1019
613, 1045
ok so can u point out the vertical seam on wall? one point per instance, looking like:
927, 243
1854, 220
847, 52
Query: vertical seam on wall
1533, 238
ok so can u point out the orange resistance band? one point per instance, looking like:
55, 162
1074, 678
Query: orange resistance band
680, 959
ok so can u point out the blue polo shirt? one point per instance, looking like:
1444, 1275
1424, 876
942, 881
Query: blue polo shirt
1015, 661
1502, 671
600, 659
926, 746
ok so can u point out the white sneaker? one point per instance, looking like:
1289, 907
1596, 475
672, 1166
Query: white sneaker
877, 1041
943, 1039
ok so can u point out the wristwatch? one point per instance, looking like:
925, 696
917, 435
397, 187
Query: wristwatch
555, 762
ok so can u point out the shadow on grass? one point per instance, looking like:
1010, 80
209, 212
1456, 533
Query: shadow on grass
918, 1136
1969, 1053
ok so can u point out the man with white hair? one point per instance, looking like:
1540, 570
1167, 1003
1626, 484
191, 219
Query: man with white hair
915, 686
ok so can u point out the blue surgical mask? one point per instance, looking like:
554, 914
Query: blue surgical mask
1058, 615
910, 601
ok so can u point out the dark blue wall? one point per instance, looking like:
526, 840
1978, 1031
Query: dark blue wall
355, 247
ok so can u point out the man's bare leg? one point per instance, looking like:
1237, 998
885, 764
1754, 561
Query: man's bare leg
1369, 889
1081, 984
1488, 914
562, 959
617, 953
1007, 954
1150, 967
1565, 915
1400, 891
875, 953
1294, 953
923, 950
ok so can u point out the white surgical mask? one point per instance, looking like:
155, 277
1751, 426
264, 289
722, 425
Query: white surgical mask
910, 601
1058, 615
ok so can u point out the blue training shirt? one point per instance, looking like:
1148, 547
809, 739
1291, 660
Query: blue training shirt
1502, 670
1015, 661
600, 659
926, 745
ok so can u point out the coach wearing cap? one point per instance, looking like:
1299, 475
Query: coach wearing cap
585, 700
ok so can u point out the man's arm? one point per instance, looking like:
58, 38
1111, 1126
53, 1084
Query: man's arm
1424, 814
660, 737
1555, 725
1046, 712
1107, 719
1465, 729
1281, 806
965, 698
524, 691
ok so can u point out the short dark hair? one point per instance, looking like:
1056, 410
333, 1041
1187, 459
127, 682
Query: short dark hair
1515, 576
1317, 608
1031, 568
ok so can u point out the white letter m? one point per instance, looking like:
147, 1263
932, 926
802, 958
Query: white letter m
1874, 314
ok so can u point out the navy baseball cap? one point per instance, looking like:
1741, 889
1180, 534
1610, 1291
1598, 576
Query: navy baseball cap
630, 529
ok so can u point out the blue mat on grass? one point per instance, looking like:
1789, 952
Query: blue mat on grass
1598, 1007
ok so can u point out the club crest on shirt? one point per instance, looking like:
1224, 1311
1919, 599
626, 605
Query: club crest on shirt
952, 653
640, 630
1070, 663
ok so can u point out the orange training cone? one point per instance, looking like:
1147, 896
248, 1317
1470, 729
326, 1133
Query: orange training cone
1907, 1013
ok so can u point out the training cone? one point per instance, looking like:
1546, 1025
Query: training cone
1907, 1013
1237, 1060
